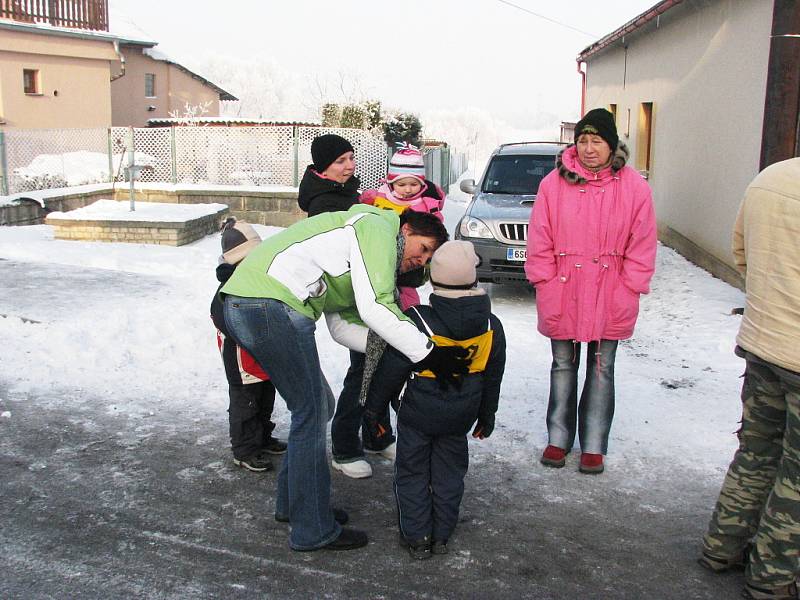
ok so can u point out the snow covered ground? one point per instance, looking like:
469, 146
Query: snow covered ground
677, 379
112, 417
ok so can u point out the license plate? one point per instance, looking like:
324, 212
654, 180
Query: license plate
517, 254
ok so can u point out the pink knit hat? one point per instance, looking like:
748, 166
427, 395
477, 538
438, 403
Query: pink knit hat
406, 162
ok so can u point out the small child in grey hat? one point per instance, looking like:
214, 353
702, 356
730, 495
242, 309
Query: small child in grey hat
434, 417
250, 392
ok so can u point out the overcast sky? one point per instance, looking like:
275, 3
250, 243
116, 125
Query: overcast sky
415, 55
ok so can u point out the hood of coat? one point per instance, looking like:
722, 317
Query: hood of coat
387, 192
313, 185
570, 168
465, 316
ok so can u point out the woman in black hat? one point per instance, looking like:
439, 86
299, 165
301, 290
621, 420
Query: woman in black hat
328, 184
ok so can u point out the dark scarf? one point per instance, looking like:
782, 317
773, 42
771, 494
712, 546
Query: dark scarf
375, 343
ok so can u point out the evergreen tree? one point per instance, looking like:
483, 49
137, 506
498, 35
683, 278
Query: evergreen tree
402, 127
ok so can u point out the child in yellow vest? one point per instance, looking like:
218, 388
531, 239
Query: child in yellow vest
434, 416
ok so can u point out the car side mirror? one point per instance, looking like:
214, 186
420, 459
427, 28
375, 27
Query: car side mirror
467, 186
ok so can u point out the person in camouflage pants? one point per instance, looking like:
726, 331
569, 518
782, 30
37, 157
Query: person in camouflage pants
756, 521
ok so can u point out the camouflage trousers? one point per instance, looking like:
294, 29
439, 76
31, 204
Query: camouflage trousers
760, 499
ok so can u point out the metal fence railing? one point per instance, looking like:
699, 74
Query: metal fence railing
444, 166
216, 155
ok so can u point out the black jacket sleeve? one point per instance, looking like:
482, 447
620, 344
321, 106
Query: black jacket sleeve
493, 375
390, 375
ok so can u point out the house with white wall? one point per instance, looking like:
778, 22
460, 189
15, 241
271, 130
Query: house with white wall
706, 94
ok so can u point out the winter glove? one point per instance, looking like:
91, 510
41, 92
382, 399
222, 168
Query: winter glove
446, 363
373, 425
483, 428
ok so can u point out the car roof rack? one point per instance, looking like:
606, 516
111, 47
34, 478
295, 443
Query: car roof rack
529, 143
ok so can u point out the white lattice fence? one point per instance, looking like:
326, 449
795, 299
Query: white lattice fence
234, 155
370, 152
152, 146
38, 159
51, 158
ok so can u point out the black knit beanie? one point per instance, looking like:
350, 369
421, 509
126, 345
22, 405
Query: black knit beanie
327, 148
600, 122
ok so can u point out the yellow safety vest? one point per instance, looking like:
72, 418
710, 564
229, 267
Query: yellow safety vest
382, 202
478, 347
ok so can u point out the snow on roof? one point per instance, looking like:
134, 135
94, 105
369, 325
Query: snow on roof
47, 29
635, 24
227, 121
160, 56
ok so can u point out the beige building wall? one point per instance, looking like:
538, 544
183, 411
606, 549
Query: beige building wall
705, 71
74, 78
173, 88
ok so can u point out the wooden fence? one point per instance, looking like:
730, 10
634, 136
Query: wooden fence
75, 14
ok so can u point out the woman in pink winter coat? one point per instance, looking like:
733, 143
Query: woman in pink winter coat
591, 253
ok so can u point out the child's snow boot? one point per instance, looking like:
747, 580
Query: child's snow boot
418, 549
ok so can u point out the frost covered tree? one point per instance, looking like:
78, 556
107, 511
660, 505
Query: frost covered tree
402, 127
331, 114
191, 113
353, 116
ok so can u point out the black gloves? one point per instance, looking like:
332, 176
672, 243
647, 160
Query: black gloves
446, 362
484, 427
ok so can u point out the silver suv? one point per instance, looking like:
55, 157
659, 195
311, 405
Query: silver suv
496, 221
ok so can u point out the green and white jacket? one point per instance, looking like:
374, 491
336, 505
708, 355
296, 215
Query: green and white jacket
339, 263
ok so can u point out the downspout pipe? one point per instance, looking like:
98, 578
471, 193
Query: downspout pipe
121, 62
583, 86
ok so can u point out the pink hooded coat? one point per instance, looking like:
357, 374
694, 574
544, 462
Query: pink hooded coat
591, 249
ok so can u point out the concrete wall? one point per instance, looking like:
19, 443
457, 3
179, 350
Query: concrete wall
173, 89
142, 232
704, 68
75, 76
265, 208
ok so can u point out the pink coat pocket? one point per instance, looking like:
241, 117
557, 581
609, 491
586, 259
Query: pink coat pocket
549, 305
623, 313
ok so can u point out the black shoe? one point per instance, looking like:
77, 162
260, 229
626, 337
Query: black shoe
275, 446
417, 549
439, 547
784, 592
350, 539
716, 564
258, 463
340, 516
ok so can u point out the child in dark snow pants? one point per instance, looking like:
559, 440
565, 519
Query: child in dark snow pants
434, 416
251, 393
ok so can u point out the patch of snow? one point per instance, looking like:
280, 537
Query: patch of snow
114, 210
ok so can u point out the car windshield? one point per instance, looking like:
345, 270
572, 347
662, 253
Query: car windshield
517, 173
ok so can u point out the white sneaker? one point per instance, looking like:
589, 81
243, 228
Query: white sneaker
390, 452
358, 469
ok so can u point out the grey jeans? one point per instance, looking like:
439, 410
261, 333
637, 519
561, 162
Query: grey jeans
595, 412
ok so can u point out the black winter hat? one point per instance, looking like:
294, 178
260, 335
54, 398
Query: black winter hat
327, 148
238, 239
600, 122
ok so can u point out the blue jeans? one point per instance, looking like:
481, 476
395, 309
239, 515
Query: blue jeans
282, 341
596, 409
345, 441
